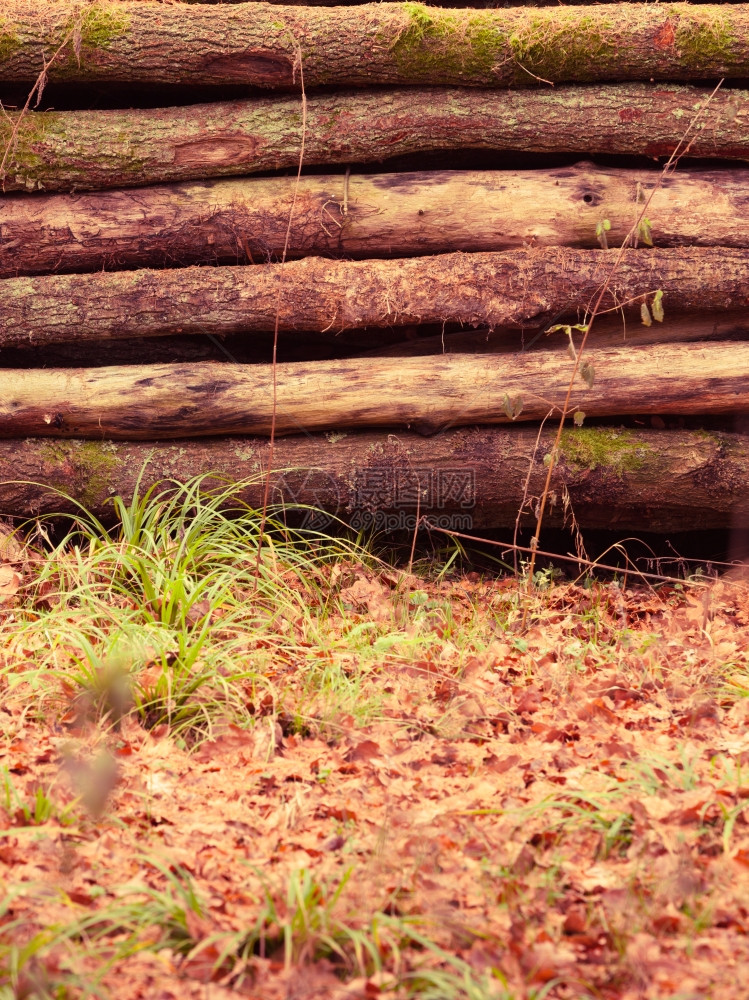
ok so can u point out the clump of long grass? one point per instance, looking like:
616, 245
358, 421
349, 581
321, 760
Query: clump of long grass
175, 611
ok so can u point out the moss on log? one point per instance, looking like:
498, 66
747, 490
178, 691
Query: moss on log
63, 150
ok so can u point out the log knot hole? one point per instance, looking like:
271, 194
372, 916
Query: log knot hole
255, 66
215, 152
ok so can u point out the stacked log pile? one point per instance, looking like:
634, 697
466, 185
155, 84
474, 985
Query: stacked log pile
471, 179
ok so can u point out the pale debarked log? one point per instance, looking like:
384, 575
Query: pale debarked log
427, 394
369, 215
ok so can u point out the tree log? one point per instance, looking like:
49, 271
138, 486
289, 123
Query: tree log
386, 215
62, 151
479, 4
621, 479
238, 349
261, 44
613, 330
167, 401
607, 331
516, 288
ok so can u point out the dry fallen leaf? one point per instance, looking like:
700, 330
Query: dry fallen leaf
11, 544
10, 581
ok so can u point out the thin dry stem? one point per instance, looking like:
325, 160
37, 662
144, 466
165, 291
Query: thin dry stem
681, 149
588, 563
36, 91
276, 327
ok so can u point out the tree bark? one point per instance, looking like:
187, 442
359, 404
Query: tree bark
261, 44
473, 478
429, 394
378, 215
607, 331
238, 349
480, 4
516, 288
62, 151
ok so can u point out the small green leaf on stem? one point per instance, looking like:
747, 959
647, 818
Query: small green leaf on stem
644, 232
645, 315
512, 405
657, 306
588, 374
601, 229
578, 417
568, 328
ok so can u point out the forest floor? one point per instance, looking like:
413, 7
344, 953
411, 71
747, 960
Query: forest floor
376, 785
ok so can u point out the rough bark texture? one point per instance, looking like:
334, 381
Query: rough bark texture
167, 401
62, 151
521, 287
642, 480
260, 43
607, 331
238, 348
378, 215
482, 4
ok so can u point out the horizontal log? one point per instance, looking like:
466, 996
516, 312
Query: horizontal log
608, 331
377, 215
612, 330
481, 4
238, 349
472, 478
516, 288
260, 43
62, 150
166, 401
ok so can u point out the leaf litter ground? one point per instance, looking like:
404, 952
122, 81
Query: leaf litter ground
561, 812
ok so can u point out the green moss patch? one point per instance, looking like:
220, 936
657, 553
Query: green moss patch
9, 42
94, 462
610, 448
559, 44
23, 161
99, 26
568, 44
435, 40
95, 28
703, 38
